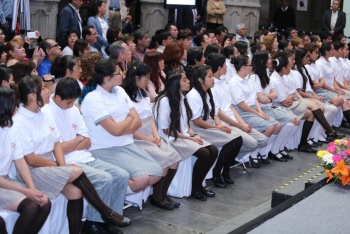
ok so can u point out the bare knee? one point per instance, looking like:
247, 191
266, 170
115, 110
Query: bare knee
139, 183
75, 173
175, 166
71, 192
277, 129
268, 132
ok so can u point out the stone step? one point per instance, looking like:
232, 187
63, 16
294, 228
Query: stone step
297, 185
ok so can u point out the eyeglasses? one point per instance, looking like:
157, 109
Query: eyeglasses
55, 45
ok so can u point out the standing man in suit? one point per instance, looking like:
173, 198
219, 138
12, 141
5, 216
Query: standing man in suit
334, 20
69, 19
284, 16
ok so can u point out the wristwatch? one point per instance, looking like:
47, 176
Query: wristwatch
193, 134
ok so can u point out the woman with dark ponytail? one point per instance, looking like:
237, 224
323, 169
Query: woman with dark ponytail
111, 118
67, 66
246, 103
43, 152
207, 123
290, 98
33, 206
266, 94
172, 114
304, 87
147, 136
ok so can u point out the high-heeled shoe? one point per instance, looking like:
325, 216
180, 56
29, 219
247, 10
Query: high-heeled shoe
264, 160
218, 182
227, 178
253, 162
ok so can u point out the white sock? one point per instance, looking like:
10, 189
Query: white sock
254, 154
265, 150
281, 137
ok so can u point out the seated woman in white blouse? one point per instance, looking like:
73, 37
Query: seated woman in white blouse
172, 115
43, 152
207, 123
33, 206
306, 90
244, 99
112, 120
266, 94
147, 136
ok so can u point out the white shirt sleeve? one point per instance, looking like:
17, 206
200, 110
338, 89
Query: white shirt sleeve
280, 89
81, 128
298, 80
162, 114
196, 104
255, 81
235, 92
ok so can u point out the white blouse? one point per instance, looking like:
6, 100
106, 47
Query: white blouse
281, 85
299, 81
222, 98
70, 123
346, 68
39, 132
314, 72
196, 104
241, 91
143, 107
104, 27
259, 89
162, 117
99, 105
338, 69
327, 71
231, 71
10, 149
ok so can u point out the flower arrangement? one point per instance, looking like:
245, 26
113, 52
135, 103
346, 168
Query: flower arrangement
336, 161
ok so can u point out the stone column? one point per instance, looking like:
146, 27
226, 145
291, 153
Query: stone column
242, 11
43, 15
153, 15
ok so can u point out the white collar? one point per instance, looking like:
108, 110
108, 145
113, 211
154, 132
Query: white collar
76, 9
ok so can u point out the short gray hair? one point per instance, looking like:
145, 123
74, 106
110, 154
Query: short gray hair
139, 34
115, 49
239, 26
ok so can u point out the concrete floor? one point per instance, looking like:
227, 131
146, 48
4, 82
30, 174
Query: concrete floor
233, 206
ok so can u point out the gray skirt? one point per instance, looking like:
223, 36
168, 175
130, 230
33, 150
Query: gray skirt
282, 115
214, 135
165, 155
254, 120
8, 197
50, 180
326, 94
136, 161
299, 107
186, 148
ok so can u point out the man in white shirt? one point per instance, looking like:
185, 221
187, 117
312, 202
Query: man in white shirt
109, 180
252, 139
334, 20
241, 31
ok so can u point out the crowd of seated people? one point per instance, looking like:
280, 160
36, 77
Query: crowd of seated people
105, 123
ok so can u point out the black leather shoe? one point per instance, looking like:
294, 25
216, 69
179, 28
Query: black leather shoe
317, 142
264, 160
339, 135
116, 219
110, 229
277, 157
253, 162
167, 206
218, 182
199, 196
227, 178
175, 203
306, 148
323, 142
208, 193
312, 144
345, 124
90, 227
285, 155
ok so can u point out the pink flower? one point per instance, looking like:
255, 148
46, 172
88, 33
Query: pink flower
331, 148
331, 144
337, 158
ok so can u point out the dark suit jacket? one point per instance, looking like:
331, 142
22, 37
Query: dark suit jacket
339, 25
68, 20
284, 19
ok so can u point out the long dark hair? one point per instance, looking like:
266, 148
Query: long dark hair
300, 53
135, 71
61, 64
172, 92
28, 85
200, 73
152, 59
259, 66
7, 106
